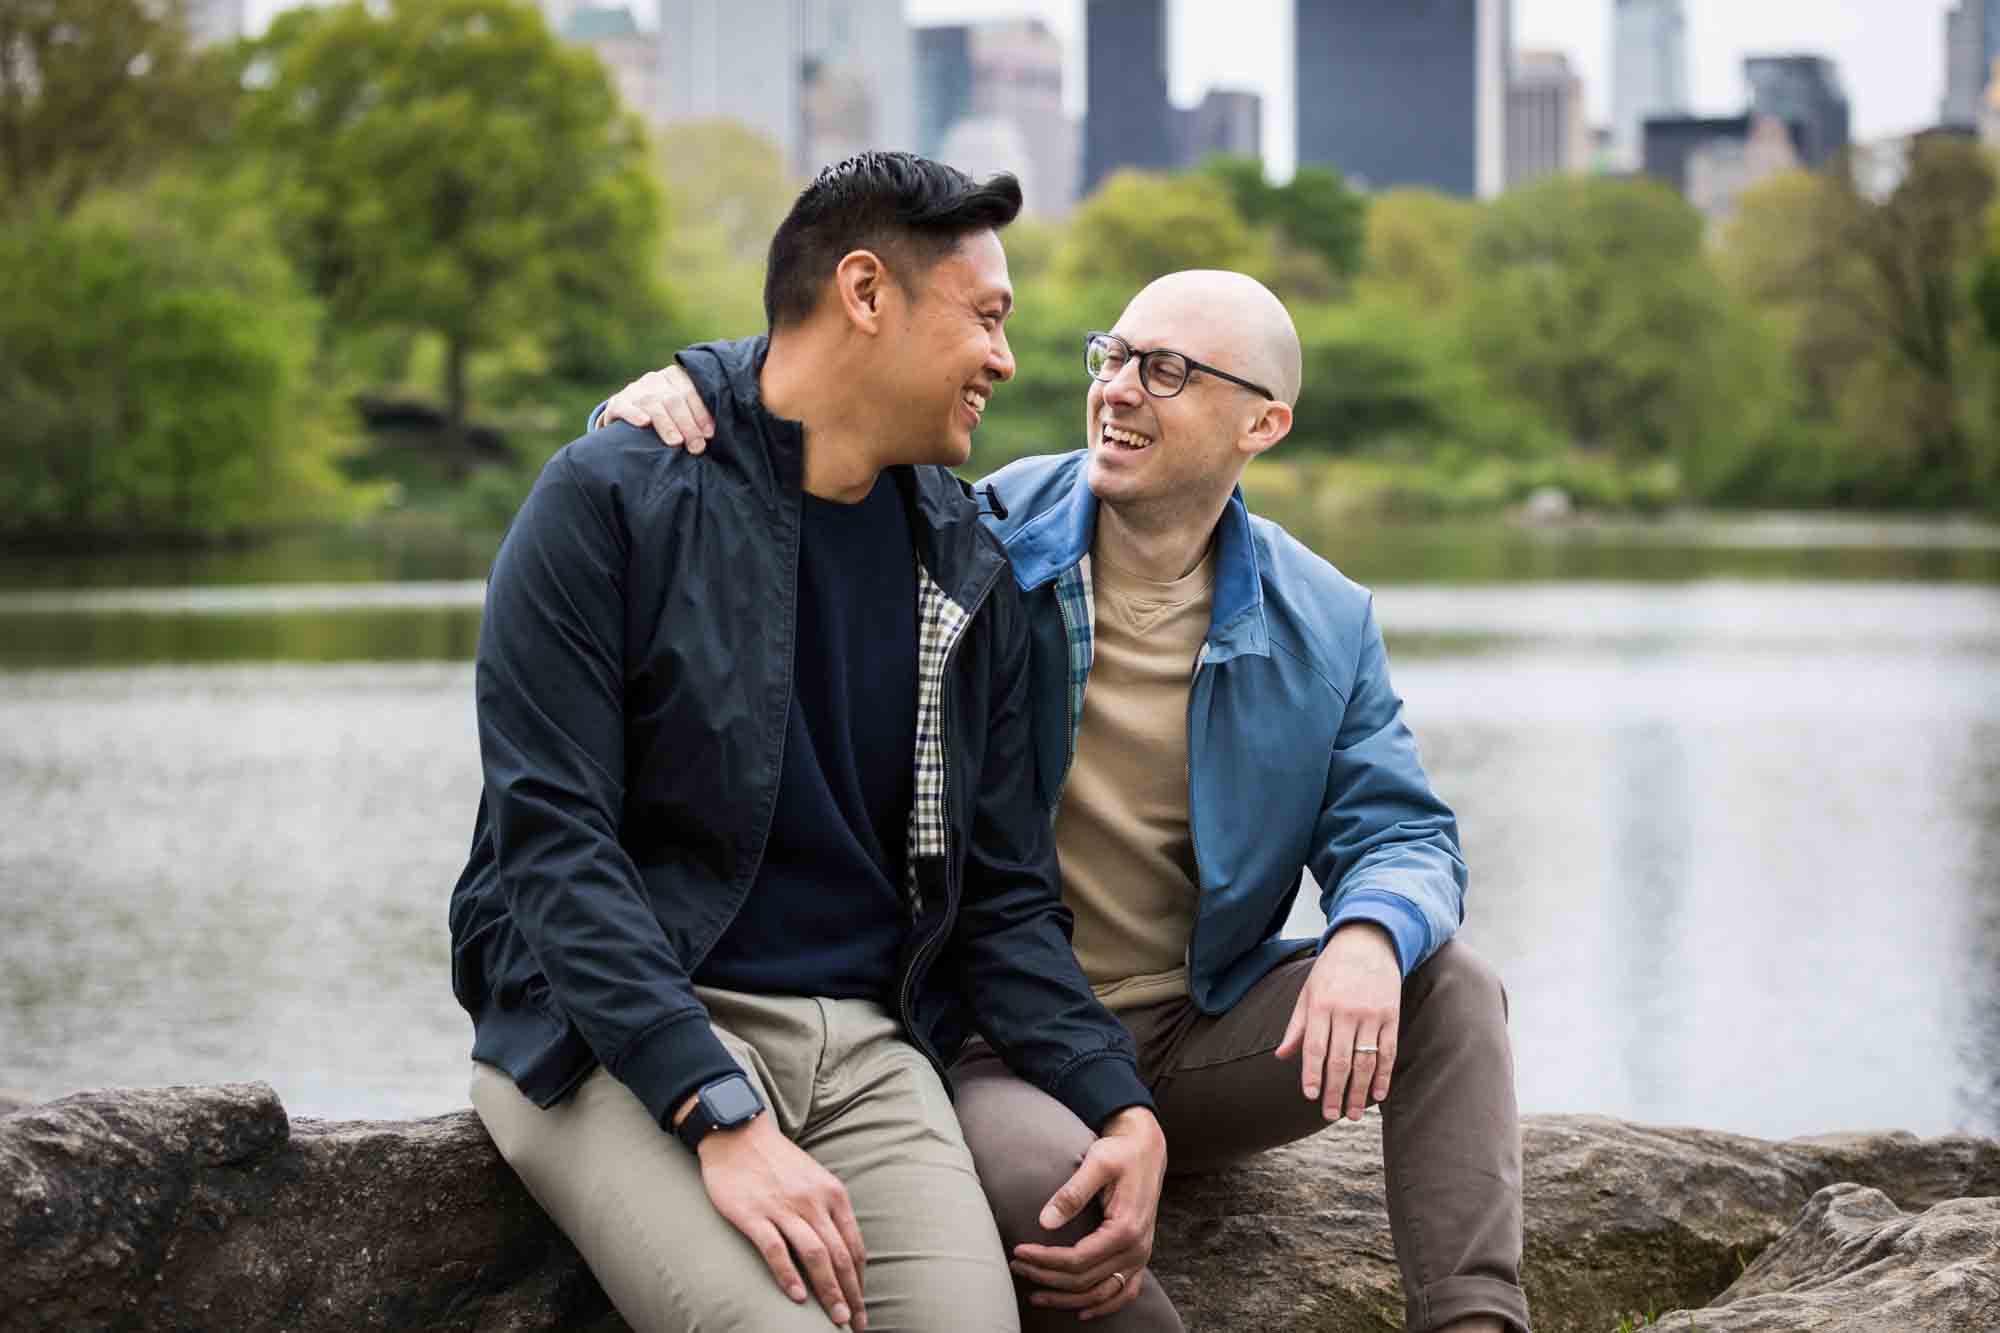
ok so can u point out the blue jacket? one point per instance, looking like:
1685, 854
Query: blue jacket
1297, 750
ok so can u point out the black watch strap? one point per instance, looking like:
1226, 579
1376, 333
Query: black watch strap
730, 1102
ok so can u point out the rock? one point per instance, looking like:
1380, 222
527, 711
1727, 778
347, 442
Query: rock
1619, 1218
1856, 1263
207, 1208
1547, 505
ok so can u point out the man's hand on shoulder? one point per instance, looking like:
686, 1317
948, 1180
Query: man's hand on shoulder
664, 399
1345, 1020
772, 1191
1101, 1273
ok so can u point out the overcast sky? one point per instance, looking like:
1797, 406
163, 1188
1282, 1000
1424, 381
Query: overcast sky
1890, 52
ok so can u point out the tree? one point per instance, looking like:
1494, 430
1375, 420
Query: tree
729, 190
1591, 299
94, 91
1140, 226
1314, 213
1876, 303
156, 371
1414, 249
447, 166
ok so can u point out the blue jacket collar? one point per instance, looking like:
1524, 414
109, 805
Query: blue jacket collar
1058, 538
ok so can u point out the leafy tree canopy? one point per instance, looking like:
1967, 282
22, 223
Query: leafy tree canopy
96, 91
448, 166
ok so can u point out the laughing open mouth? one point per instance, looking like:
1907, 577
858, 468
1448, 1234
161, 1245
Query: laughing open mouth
1130, 441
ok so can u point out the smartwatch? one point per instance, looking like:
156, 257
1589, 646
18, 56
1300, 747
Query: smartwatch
728, 1103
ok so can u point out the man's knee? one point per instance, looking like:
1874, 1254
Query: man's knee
1020, 1183
1460, 985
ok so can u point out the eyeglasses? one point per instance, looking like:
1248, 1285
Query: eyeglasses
1162, 373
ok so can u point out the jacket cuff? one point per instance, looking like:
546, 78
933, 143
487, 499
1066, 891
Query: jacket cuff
1101, 1086
667, 1063
591, 423
1407, 928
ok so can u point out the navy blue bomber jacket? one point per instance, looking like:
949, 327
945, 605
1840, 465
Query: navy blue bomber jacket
634, 672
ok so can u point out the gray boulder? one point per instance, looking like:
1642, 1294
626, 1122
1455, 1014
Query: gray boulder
1856, 1263
208, 1208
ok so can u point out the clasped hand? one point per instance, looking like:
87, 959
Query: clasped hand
1101, 1274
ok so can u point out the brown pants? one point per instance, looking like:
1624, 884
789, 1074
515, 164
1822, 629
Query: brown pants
1451, 1139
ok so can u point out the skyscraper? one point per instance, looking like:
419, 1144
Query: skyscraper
1411, 93
819, 78
1971, 44
1804, 93
1546, 134
989, 98
1225, 121
1648, 70
1127, 122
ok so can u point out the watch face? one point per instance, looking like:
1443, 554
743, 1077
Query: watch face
731, 1101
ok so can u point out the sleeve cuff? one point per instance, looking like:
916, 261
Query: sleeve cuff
664, 1065
591, 422
1408, 930
1100, 1087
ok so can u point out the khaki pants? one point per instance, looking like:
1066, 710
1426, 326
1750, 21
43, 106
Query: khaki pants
844, 1085
1451, 1138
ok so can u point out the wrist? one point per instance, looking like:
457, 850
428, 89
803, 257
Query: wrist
1133, 1120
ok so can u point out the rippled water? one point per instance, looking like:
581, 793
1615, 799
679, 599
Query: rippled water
1736, 845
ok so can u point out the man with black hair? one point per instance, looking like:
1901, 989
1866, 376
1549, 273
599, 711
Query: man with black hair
758, 847
1213, 713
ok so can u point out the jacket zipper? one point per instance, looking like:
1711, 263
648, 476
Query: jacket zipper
1194, 843
1069, 700
919, 958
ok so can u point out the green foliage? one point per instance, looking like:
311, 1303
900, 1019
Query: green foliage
156, 372
447, 165
1878, 308
1314, 213
729, 190
97, 91
1140, 226
1414, 249
1594, 304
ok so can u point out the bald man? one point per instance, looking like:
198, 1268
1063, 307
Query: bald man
1213, 713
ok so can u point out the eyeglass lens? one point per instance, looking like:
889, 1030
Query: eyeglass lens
1161, 373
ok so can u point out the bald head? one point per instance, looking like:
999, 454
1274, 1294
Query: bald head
1247, 328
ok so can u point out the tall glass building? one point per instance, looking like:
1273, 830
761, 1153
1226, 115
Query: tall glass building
1127, 122
1411, 93
1648, 71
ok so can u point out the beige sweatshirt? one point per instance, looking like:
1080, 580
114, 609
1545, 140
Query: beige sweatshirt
1122, 828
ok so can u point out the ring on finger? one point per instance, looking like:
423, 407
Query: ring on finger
1120, 1279
1365, 1050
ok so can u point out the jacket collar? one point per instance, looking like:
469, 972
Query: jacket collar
1058, 538
944, 511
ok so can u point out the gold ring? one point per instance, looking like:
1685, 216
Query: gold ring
1121, 1280
1366, 1050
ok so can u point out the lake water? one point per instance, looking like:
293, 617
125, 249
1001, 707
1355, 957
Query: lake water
1731, 796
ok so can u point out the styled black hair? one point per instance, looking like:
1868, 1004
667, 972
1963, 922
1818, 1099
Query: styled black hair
908, 209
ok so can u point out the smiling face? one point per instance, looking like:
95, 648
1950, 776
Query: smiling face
946, 350
1187, 450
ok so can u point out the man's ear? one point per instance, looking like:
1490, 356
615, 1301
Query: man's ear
861, 281
1274, 423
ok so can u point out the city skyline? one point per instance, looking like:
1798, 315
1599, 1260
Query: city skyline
1890, 52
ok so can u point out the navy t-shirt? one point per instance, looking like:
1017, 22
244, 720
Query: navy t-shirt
827, 914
